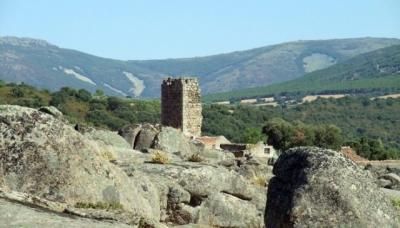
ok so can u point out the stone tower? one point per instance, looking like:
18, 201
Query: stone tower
181, 105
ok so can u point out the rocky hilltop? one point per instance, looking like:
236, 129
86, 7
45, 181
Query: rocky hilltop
53, 174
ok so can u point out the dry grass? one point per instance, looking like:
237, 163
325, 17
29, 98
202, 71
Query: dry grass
108, 155
104, 151
259, 181
160, 157
100, 205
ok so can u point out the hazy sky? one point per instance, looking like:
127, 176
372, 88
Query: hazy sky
149, 29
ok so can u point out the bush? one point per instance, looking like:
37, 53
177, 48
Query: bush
160, 157
396, 203
252, 135
114, 103
17, 92
84, 95
101, 118
284, 135
58, 99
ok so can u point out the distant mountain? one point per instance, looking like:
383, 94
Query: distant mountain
44, 65
379, 69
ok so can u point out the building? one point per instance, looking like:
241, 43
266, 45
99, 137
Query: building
212, 142
181, 105
267, 99
248, 101
257, 150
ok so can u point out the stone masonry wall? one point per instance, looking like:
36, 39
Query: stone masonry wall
181, 105
171, 103
192, 117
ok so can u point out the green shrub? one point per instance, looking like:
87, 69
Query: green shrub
84, 95
396, 203
17, 92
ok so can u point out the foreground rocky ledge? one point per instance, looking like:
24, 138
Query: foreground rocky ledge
96, 179
54, 175
321, 188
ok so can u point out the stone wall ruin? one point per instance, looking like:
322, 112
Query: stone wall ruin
181, 105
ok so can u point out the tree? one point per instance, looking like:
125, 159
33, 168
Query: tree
114, 103
84, 95
303, 135
17, 92
252, 135
279, 133
373, 149
284, 135
99, 93
58, 98
328, 136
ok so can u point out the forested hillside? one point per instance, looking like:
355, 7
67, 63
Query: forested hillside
44, 65
362, 121
376, 70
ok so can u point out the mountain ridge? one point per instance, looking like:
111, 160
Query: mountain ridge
379, 69
48, 66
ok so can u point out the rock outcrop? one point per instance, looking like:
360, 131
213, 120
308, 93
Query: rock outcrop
52, 111
314, 187
129, 133
145, 137
189, 189
172, 140
45, 157
387, 174
82, 177
19, 215
224, 210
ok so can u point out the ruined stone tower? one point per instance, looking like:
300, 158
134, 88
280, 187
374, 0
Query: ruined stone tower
181, 105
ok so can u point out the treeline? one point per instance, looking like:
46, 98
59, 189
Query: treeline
363, 122
80, 106
392, 85
284, 135
369, 126
103, 111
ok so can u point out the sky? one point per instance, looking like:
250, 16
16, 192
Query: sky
150, 29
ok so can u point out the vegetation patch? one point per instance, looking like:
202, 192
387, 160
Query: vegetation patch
396, 203
160, 157
259, 180
107, 153
376, 70
100, 205
368, 126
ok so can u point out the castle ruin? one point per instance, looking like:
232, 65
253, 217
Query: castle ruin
181, 105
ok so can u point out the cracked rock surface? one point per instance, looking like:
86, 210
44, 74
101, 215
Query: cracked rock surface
100, 181
316, 187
